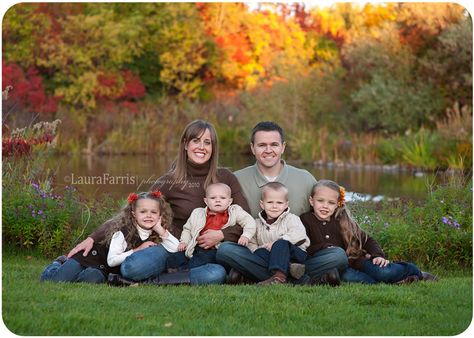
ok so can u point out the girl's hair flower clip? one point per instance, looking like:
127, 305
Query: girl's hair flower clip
132, 198
156, 194
341, 201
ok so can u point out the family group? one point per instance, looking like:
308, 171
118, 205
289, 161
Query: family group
269, 223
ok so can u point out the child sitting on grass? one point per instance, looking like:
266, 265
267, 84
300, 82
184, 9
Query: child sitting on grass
281, 237
140, 224
330, 224
220, 213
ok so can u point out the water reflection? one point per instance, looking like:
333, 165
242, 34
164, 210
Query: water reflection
120, 175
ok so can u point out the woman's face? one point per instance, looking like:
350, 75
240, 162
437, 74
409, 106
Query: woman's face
199, 149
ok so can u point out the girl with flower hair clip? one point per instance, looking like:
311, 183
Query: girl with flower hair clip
330, 224
141, 223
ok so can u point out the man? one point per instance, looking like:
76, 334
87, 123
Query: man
268, 145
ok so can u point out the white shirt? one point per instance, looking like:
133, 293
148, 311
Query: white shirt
118, 245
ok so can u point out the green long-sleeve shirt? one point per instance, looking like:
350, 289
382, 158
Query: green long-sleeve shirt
298, 181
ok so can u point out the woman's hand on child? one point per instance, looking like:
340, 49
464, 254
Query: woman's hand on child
243, 241
144, 245
380, 261
85, 245
182, 246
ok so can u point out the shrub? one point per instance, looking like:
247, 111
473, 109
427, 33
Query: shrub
436, 232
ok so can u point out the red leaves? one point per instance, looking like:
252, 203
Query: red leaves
28, 89
15, 147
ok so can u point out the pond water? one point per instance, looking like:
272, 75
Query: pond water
120, 175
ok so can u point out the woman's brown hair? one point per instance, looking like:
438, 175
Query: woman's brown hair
194, 130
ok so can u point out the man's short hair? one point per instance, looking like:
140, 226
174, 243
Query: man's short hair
267, 126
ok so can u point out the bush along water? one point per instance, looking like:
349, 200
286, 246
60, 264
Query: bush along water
34, 214
434, 233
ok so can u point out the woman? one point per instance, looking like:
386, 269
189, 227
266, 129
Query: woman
195, 167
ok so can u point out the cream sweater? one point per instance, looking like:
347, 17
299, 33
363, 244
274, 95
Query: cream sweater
197, 221
288, 227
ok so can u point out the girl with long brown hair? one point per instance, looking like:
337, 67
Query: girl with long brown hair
330, 224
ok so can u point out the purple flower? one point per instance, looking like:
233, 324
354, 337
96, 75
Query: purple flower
446, 221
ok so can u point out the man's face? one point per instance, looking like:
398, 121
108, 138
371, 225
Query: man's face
267, 148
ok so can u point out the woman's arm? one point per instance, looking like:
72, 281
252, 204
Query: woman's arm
97, 235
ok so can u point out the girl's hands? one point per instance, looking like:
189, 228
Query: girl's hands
159, 229
380, 261
182, 246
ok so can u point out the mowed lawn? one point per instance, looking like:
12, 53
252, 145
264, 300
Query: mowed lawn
30, 307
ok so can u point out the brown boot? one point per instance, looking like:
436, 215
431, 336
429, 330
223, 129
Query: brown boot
329, 278
235, 278
278, 278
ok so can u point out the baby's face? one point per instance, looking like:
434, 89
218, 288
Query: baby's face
274, 202
217, 199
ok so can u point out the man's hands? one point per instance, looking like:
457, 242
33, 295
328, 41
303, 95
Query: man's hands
210, 238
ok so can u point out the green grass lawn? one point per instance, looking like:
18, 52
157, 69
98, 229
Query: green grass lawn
30, 307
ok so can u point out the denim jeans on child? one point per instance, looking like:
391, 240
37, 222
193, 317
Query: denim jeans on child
178, 260
71, 271
372, 273
280, 256
150, 262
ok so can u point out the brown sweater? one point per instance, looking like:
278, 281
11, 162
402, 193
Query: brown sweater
323, 234
187, 195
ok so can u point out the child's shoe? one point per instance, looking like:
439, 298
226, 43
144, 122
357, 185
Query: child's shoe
61, 259
329, 278
426, 276
297, 270
278, 278
117, 280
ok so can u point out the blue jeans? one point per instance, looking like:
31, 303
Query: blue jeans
150, 262
178, 260
372, 273
71, 271
240, 258
326, 259
282, 253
